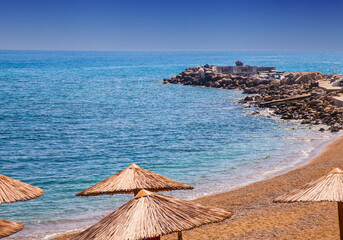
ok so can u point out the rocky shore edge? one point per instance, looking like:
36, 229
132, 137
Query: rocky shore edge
296, 96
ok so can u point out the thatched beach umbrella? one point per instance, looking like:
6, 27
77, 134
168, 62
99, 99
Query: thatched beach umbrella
151, 215
12, 190
328, 188
8, 228
132, 180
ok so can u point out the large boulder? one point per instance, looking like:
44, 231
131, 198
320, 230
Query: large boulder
239, 63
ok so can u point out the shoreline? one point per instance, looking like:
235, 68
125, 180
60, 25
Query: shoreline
257, 217
316, 150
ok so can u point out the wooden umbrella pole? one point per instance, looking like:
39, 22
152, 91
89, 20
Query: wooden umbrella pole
340, 218
179, 236
135, 192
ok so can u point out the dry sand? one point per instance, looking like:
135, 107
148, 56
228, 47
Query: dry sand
255, 216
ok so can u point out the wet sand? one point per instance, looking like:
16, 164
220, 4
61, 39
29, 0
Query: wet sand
255, 216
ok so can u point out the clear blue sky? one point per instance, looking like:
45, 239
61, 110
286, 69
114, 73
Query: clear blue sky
172, 25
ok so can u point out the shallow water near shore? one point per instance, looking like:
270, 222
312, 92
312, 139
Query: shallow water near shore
71, 119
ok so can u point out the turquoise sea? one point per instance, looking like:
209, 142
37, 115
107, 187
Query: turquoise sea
70, 119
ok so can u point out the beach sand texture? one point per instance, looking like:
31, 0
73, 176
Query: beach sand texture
255, 216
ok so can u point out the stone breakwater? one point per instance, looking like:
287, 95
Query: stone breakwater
296, 96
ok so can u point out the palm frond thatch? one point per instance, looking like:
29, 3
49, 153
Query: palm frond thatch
12, 190
150, 215
327, 188
8, 228
131, 180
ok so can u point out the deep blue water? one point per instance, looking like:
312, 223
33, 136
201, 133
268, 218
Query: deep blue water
71, 119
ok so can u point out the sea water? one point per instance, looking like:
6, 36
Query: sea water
70, 119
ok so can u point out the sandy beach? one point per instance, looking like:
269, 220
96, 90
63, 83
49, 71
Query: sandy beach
257, 217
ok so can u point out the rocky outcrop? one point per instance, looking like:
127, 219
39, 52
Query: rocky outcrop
239, 63
311, 104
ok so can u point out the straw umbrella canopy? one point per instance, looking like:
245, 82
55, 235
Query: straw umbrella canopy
150, 215
327, 188
131, 180
8, 228
12, 190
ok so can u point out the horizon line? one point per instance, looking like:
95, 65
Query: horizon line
91, 50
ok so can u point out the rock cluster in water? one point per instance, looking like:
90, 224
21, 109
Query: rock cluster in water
301, 98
